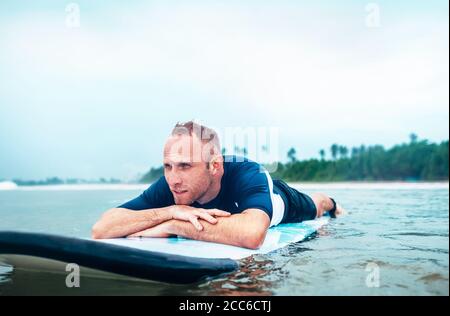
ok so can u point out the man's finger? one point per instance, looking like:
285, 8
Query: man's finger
207, 217
195, 222
217, 212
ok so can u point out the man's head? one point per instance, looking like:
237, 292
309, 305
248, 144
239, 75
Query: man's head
193, 164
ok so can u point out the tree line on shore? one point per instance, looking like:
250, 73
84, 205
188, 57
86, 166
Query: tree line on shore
417, 160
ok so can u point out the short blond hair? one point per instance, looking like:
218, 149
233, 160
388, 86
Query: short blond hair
206, 135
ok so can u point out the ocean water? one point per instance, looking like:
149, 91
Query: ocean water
393, 241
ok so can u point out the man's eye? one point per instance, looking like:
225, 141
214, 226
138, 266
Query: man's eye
185, 166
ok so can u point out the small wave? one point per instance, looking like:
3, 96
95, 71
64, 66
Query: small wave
434, 250
433, 278
416, 234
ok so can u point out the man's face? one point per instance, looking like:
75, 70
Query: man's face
184, 169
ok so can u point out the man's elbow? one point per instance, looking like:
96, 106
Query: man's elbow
255, 233
254, 241
99, 230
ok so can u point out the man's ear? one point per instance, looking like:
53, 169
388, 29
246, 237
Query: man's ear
215, 164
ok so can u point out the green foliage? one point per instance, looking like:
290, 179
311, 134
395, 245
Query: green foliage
416, 161
152, 175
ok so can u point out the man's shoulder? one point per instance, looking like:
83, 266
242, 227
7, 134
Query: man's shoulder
159, 194
158, 186
239, 170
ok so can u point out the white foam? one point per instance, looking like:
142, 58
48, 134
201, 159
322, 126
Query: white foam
8, 185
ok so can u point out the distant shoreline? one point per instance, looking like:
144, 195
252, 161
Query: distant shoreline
297, 185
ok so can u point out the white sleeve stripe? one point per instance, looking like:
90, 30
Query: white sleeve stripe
277, 202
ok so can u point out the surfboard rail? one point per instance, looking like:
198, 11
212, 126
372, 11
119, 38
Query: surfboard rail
135, 263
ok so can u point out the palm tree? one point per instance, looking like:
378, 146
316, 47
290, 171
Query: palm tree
291, 154
343, 151
362, 149
334, 151
322, 154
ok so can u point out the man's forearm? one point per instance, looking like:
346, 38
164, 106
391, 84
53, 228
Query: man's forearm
120, 222
235, 230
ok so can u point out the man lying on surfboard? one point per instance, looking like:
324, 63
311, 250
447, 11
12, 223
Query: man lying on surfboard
204, 195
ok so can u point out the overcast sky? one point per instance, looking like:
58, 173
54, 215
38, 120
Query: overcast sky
99, 98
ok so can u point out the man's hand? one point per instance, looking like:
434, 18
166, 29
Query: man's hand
183, 213
192, 214
247, 229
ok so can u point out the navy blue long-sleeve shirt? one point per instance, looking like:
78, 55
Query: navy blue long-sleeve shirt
245, 184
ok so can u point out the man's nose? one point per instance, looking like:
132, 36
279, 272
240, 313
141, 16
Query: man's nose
173, 178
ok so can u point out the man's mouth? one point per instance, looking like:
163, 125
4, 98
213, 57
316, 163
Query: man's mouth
179, 192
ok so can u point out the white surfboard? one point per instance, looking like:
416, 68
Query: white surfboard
172, 260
